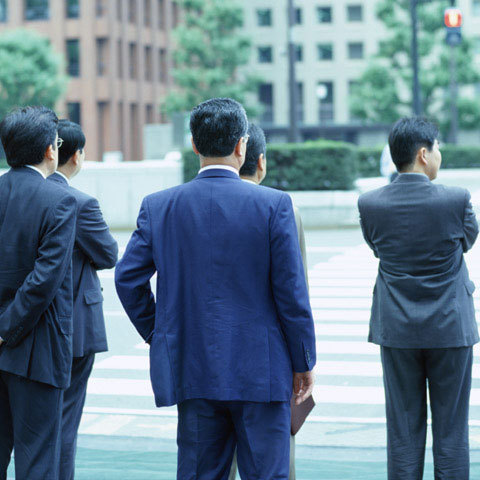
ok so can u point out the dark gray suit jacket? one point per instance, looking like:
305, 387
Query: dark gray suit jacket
95, 249
37, 231
423, 294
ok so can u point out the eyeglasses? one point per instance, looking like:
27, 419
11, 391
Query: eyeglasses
59, 142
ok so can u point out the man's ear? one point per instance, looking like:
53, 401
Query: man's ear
50, 153
422, 156
195, 149
239, 148
261, 163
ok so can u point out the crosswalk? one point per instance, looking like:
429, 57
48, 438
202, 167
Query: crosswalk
349, 388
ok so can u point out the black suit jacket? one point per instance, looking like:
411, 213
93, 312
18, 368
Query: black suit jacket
37, 231
95, 249
423, 295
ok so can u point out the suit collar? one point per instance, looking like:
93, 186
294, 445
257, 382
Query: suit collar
218, 172
59, 178
412, 178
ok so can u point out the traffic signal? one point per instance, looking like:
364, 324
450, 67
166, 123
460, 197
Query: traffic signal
453, 23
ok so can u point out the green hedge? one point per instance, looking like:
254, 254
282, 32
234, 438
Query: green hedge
460, 157
369, 161
318, 165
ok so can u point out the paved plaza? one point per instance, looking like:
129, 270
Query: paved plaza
123, 436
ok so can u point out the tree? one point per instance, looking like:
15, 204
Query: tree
31, 73
384, 91
208, 55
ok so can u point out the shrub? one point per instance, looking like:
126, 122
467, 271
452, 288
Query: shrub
369, 161
460, 157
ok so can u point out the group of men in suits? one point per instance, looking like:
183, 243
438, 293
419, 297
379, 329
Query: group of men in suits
53, 239
230, 329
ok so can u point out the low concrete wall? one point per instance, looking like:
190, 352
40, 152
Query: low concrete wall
121, 187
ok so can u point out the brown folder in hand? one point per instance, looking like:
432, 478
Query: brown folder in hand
300, 413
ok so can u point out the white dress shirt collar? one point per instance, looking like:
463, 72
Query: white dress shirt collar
33, 167
249, 181
63, 176
219, 167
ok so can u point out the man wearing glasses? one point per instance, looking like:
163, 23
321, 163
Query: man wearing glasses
37, 229
231, 320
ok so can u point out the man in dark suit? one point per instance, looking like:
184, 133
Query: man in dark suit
231, 320
94, 249
423, 314
37, 231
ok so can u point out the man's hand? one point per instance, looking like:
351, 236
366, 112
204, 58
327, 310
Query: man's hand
302, 386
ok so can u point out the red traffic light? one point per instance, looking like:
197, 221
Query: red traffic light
453, 18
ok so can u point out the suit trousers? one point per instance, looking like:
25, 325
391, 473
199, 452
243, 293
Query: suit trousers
209, 431
448, 373
73, 402
30, 420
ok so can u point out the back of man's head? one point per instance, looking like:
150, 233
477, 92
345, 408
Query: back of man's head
73, 140
407, 137
217, 125
256, 146
26, 134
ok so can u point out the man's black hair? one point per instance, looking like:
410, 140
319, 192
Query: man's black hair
255, 147
217, 125
408, 135
26, 133
73, 139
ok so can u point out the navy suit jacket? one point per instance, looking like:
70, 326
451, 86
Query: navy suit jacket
94, 249
37, 231
232, 315
423, 295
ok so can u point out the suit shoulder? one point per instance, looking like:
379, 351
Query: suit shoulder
82, 197
452, 192
57, 193
371, 196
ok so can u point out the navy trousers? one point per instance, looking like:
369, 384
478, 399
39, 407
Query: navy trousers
209, 431
30, 419
448, 373
73, 402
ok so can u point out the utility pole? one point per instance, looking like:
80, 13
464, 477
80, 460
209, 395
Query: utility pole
293, 133
417, 100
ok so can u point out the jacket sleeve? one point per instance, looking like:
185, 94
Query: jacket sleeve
470, 225
366, 236
42, 283
290, 288
133, 274
94, 238
301, 241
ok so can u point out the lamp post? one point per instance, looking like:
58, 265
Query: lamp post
293, 132
417, 99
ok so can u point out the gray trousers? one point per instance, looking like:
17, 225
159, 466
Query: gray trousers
291, 476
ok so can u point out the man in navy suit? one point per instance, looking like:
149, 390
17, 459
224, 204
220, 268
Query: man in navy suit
231, 320
423, 314
37, 231
94, 249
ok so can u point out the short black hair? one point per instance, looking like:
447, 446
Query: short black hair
73, 139
408, 135
217, 125
256, 145
26, 133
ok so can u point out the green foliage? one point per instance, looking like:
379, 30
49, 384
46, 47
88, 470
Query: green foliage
318, 165
208, 54
369, 161
460, 156
375, 101
30, 71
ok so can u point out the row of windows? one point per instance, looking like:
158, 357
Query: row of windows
102, 56
355, 51
40, 10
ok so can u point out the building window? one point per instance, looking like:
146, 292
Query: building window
175, 15
132, 60
3, 11
73, 8
298, 16
325, 51
324, 14
102, 45
326, 108
352, 85
161, 14
73, 58
298, 53
265, 97
132, 11
100, 8
149, 114
265, 55
119, 10
37, 10
147, 13
74, 112
355, 51
162, 64
476, 8
148, 64
355, 13
300, 109
119, 59
264, 17
134, 132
